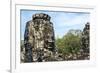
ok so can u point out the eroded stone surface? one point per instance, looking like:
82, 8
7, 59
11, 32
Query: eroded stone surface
39, 38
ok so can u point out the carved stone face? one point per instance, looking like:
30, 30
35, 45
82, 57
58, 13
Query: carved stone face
40, 36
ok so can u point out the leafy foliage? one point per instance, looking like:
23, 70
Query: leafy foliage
69, 43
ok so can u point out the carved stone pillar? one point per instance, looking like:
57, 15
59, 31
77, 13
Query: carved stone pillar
39, 35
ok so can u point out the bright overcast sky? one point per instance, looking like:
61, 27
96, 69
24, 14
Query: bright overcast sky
62, 21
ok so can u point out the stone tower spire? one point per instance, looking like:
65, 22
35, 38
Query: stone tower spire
39, 38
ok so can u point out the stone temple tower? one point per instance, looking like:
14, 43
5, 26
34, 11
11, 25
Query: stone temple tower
39, 39
86, 38
85, 41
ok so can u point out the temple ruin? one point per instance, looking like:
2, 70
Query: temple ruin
39, 42
39, 39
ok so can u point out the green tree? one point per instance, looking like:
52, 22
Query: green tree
70, 42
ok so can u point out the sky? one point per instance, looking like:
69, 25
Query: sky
62, 21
